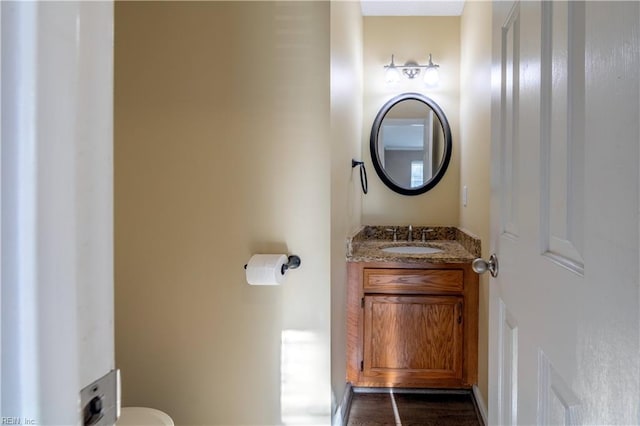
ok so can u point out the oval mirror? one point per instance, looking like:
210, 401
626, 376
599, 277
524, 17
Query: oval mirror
411, 144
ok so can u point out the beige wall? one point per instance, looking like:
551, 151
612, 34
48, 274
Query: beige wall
346, 194
221, 151
475, 144
412, 38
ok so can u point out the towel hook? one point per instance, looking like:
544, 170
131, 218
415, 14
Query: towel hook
363, 174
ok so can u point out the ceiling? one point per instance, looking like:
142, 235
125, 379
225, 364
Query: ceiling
412, 7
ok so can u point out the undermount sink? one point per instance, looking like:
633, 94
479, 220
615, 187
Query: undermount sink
411, 250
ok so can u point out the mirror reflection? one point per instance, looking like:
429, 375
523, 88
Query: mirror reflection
410, 144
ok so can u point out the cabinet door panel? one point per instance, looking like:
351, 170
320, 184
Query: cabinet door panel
413, 337
413, 280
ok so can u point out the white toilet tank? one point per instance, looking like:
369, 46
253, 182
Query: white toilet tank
141, 416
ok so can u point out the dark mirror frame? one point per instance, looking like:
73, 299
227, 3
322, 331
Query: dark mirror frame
448, 146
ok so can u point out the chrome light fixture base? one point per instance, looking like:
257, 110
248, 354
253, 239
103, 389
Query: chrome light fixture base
411, 70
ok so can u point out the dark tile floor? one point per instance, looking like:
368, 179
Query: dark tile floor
415, 409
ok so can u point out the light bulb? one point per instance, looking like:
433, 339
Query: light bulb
392, 75
431, 76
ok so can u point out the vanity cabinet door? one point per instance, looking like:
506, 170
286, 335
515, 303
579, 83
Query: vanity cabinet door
412, 338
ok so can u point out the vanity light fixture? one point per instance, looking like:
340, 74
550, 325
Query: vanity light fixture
431, 76
411, 70
392, 74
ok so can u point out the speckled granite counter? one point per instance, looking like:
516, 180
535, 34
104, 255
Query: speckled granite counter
457, 246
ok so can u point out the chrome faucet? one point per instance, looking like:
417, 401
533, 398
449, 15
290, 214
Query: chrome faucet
424, 234
395, 232
410, 234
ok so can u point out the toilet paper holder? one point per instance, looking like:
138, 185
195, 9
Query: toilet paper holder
293, 262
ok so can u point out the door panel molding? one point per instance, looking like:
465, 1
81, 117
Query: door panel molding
557, 402
510, 113
507, 366
562, 124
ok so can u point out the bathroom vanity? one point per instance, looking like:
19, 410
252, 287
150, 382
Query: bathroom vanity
412, 318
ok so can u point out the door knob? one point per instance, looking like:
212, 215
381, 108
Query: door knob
481, 266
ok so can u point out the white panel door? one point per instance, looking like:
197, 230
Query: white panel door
564, 309
56, 208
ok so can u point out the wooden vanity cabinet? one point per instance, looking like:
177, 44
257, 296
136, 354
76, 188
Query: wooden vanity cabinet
412, 325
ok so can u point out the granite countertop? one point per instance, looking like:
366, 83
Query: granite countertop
457, 245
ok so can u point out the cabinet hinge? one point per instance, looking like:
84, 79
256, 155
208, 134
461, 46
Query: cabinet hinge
362, 302
361, 365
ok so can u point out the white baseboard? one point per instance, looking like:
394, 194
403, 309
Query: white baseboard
482, 406
341, 415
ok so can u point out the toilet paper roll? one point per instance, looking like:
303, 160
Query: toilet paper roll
266, 269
